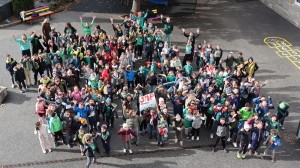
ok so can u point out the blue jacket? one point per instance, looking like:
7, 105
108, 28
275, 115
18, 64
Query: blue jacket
177, 108
257, 135
77, 65
81, 112
257, 102
130, 75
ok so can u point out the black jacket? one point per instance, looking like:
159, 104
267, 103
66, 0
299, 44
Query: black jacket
245, 136
10, 65
152, 80
19, 74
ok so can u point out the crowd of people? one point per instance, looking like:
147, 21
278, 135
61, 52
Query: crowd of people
81, 77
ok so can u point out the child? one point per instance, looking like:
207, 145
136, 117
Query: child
271, 123
246, 113
233, 127
162, 131
78, 139
245, 141
188, 68
272, 142
105, 138
152, 119
81, 110
125, 131
197, 121
256, 137
187, 113
221, 133
178, 126
89, 148
282, 112
84, 126
56, 128
41, 130
92, 117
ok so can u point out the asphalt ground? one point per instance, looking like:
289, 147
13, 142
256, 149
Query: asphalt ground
175, 8
237, 26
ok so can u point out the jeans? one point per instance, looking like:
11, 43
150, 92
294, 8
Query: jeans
149, 56
20, 83
255, 145
151, 88
214, 127
12, 77
222, 140
89, 160
267, 151
151, 128
130, 83
161, 138
110, 120
241, 124
167, 38
133, 139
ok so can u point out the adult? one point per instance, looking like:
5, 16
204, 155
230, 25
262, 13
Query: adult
46, 28
36, 45
70, 30
140, 19
117, 29
168, 28
20, 77
10, 64
24, 43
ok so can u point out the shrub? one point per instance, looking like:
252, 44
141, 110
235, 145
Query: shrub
22, 5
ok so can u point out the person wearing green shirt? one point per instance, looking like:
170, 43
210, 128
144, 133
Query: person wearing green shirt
188, 68
245, 113
140, 19
56, 128
168, 28
272, 123
87, 27
144, 71
24, 43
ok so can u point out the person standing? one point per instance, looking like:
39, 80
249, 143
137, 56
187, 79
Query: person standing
105, 138
24, 43
36, 45
41, 131
10, 64
55, 128
27, 64
19, 76
46, 28
168, 28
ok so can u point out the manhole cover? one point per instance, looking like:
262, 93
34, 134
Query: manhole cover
290, 137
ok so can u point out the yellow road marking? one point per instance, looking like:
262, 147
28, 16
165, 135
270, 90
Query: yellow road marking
284, 49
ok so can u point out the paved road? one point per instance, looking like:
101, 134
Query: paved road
236, 26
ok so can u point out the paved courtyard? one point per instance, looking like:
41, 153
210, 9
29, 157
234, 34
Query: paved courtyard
237, 26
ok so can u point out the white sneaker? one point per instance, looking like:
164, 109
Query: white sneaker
130, 151
176, 140
124, 150
13, 86
192, 138
197, 138
229, 139
211, 136
282, 127
181, 143
234, 144
50, 150
44, 151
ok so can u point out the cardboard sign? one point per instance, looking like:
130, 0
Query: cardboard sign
147, 101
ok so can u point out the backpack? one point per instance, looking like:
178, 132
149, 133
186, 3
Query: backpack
34, 14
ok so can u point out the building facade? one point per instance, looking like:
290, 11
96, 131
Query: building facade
288, 9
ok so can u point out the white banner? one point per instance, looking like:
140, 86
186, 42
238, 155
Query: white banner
147, 101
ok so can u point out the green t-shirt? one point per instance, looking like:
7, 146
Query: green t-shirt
140, 40
93, 146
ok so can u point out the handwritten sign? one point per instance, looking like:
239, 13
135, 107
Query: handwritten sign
147, 101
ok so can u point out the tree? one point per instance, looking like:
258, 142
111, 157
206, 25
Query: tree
136, 5
22, 5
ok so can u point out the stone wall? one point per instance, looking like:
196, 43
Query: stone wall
6, 9
286, 8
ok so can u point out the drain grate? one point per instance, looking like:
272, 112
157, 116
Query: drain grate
290, 137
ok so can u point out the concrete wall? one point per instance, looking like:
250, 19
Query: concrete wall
6, 9
286, 8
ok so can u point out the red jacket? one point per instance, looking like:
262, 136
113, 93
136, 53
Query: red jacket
105, 74
126, 134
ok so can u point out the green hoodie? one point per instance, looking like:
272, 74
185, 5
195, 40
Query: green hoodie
245, 113
140, 20
188, 123
87, 30
168, 27
55, 124
271, 124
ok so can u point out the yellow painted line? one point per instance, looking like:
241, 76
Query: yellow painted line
293, 63
284, 49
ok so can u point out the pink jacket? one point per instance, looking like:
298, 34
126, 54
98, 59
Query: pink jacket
126, 134
77, 95
40, 108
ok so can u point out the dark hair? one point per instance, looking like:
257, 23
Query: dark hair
37, 124
222, 119
98, 27
247, 105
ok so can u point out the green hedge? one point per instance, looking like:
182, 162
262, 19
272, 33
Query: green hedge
22, 5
